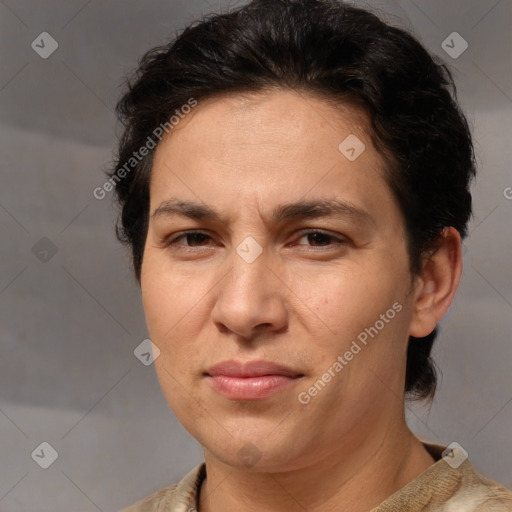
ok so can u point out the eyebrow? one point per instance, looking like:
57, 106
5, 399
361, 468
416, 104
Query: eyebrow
302, 209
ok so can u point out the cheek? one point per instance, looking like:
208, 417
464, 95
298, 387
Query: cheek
172, 304
347, 300
169, 297
362, 317
171, 308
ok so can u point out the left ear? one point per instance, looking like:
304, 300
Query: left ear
437, 284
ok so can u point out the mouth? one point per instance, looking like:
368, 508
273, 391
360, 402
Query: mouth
250, 381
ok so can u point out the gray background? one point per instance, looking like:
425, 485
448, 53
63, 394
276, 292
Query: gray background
69, 325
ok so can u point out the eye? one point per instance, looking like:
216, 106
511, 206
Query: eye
318, 238
192, 239
311, 238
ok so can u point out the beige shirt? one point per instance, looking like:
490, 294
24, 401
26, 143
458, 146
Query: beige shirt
447, 486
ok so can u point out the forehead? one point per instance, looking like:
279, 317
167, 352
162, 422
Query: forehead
266, 148
247, 119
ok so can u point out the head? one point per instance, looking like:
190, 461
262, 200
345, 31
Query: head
321, 161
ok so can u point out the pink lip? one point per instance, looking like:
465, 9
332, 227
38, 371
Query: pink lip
254, 380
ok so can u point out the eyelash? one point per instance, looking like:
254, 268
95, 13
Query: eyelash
171, 242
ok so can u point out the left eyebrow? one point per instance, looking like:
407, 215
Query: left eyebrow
320, 208
299, 210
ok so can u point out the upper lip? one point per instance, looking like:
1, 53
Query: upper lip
251, 369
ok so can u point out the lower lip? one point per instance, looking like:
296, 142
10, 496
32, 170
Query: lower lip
250, 388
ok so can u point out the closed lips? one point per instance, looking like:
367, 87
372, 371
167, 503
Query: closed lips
237, 369
250, 381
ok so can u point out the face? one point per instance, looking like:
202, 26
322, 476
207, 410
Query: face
275, 280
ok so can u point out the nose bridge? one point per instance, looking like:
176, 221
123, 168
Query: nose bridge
249, 264
249, 295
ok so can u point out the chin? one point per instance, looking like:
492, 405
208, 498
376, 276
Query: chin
257, 454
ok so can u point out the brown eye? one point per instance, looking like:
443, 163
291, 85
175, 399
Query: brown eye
319, 239
192, 239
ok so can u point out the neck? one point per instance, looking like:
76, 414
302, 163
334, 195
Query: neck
361, 479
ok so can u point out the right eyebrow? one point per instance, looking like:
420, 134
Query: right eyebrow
186, 209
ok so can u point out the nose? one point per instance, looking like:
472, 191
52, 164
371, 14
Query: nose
251, 299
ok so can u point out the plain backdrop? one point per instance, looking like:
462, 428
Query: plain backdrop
70, 310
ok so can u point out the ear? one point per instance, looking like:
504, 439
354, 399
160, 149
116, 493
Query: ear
437, 284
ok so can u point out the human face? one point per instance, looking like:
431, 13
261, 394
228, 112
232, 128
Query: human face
285, 296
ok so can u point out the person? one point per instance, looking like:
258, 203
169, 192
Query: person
294, 183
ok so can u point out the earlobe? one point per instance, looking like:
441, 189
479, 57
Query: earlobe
437, 284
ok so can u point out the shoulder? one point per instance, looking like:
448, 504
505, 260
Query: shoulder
451, 484
477, 493
180, 497
470, 491
153, 502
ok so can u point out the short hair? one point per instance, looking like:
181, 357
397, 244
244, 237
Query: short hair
344, 54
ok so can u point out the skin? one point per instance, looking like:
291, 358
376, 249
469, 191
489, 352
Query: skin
301, 303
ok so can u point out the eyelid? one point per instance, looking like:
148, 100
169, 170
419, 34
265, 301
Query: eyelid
304, 232
173, 238
311, 231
